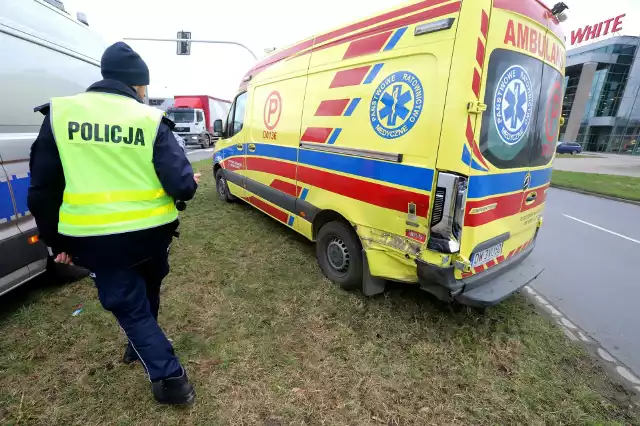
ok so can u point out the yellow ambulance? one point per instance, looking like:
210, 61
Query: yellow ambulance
411, 146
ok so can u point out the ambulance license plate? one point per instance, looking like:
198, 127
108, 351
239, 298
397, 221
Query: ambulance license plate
486, 255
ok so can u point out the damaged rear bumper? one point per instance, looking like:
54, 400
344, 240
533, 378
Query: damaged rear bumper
485, 289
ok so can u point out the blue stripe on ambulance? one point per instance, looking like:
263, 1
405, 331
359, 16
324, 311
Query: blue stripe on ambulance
490, 185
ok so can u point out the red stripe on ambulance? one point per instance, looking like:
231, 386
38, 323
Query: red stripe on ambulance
274, 167
377, 19
484, 24
473, 144
352, 77
367, 45
368, 192
269, 209
286, 187
316, 134
406, 21
506, 205
332, 108
534, 10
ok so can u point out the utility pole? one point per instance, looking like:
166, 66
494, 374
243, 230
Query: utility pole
187, 40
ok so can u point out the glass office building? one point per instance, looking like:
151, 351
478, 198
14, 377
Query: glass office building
602, 96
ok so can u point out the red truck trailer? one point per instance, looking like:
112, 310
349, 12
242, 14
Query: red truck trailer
194, 117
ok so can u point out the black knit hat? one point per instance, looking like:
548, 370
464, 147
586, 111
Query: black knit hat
120, 62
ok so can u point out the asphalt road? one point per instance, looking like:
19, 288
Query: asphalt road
590, 248
198, 154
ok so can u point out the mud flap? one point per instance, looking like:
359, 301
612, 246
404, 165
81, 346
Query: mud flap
370, 285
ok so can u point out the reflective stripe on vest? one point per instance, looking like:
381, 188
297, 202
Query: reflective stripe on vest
105, 143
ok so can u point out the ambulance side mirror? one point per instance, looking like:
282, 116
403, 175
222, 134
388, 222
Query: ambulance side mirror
217, 128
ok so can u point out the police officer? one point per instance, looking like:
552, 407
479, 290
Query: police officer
105, 171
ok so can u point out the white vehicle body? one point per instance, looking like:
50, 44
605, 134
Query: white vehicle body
44, 53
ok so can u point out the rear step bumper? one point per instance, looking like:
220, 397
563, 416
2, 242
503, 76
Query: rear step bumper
485, 289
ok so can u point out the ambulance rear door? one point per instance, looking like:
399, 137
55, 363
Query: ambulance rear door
515, 137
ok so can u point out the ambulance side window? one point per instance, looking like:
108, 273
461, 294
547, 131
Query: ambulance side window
239, 111
228, 125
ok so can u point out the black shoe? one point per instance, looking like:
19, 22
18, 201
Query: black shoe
174, 390
130, 355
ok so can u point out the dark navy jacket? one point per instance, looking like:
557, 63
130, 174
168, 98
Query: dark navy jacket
120, 250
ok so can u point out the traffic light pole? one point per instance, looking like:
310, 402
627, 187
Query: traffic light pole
194, 41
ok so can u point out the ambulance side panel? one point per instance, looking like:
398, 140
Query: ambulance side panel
277, 96
370, 131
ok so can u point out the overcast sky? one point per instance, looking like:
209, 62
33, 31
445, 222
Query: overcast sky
217, 69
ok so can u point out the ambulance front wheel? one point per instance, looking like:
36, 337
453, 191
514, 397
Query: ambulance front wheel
222, 188
339, 255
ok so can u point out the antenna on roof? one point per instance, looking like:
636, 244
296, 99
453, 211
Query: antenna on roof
559, 11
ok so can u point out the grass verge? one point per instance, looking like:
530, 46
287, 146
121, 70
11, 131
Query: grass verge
624, 187
267, 340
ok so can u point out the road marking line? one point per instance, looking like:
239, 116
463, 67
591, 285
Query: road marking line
602, 229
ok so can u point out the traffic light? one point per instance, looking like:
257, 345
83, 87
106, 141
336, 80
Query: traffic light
184, 47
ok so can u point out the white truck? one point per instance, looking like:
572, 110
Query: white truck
194, 117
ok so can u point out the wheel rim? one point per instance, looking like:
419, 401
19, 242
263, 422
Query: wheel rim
338, 256
221, 187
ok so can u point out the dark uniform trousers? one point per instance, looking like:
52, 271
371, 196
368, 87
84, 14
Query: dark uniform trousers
132, 295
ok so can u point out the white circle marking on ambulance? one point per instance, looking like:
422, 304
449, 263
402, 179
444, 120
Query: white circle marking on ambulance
396, 105
513, 105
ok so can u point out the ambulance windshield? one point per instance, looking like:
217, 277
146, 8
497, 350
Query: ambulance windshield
524, 100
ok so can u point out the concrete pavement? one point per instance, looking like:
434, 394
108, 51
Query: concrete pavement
609, 164
590, 249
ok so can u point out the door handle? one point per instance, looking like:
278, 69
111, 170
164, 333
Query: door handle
252, 147
239, 147
532, 197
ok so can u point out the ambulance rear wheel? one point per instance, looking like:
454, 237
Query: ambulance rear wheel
339, 255
222, 188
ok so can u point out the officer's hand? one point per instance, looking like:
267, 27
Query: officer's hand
196, 177
64, 258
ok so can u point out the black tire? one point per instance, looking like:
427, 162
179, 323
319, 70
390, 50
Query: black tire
339, 255
222, 188
574, 152
209, 141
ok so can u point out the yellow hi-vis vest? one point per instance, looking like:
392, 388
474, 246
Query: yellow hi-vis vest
106, 148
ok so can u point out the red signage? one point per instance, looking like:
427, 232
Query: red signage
272, 113
272, 110
595, 31
534, 41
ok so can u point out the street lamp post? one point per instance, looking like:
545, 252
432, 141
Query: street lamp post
194, 41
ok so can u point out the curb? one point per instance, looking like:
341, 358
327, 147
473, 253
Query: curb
613, 367
593, 194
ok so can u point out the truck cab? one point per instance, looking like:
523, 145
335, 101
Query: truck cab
190, 125
194, 116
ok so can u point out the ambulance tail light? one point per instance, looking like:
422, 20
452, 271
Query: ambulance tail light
447, 215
